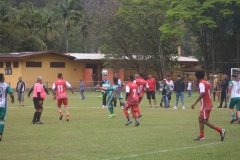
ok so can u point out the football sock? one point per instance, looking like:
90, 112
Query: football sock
128, 118
34, 117
138, 111
60, 113
233, 115
110, 108
201, 135
2, 125
218, 129
136, 120
67, 116
38, 115
126, 112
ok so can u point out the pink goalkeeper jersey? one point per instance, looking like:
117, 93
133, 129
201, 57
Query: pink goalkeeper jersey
39, 88
206, 101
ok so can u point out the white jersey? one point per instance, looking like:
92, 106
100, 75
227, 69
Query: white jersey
4, 90
171, 84
189, 86
235, 92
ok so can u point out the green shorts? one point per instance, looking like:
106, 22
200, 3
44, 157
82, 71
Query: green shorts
3, 111
233, 102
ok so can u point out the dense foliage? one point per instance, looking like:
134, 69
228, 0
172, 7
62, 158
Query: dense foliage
141, 34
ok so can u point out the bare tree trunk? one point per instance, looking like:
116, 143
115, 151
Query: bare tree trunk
67, 40
162, 61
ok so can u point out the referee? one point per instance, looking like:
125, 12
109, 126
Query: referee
38, 97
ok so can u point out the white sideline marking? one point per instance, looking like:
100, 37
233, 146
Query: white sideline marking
163, 151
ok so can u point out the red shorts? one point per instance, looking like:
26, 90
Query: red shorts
130, 105
205, 114
63, 101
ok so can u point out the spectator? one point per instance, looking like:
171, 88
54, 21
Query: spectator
179, 88
224, 85
215, 86
165, 91
21, 88
151, 90
189, 88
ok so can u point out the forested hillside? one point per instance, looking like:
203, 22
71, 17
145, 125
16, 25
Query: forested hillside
148, 32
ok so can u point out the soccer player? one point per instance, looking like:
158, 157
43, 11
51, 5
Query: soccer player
4, 90
105, 84
113, 94
38, 97
82, 88
132, 101
234, 90
60, 86
206, 107
120, 97
142, 85
151, 91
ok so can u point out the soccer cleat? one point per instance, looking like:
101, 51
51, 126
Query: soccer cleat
219, 107
160, 104
100, 97
233, 120
140, 115
67, 119
225, 107
60, 118
183, 107
33, 122
222, 134
199, 139
128, 122
112, 115
39, 122
103, 106
175, 107
136, 124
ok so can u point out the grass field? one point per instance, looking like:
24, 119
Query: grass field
91, 135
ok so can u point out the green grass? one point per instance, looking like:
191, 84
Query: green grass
90, 134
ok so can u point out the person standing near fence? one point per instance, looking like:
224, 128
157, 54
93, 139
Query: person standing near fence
179, 87
82, 89
21, 88
215, 86
165, 91
224, 85
4, 90
151, 91
189, 88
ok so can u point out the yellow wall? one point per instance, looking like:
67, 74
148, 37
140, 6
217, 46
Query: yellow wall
72, 72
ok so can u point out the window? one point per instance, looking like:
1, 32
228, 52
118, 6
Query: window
57, 64
15, 64
8, 64
8, 71
1, 64
34, 64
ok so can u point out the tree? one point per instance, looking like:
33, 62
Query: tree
71, 11
31, 43
208, 21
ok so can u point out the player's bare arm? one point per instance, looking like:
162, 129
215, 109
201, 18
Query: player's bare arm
198, 99
12, 98
71, 90
104, 89
229, 89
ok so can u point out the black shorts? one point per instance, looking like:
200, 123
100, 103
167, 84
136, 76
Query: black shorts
169, 96
36, 103
150, 94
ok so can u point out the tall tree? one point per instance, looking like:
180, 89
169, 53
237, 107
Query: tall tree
71, 11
